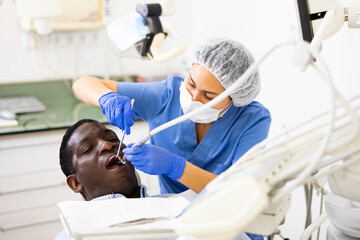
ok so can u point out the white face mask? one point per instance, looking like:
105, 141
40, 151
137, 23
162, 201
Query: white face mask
208, 115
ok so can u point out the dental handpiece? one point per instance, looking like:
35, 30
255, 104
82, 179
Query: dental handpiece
123, 159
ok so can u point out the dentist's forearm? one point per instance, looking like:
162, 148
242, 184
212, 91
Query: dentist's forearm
196, 178
90, 89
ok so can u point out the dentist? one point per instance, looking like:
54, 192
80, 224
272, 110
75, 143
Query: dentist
194, 152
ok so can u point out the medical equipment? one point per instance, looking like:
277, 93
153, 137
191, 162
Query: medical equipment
143, 32
343, 213
312, 14
123, 159
42, 12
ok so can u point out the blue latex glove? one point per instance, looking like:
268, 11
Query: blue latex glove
117, 110
155, 160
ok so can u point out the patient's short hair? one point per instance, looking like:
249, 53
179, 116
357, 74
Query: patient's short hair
65, 154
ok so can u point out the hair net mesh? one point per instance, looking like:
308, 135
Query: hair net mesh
227, 60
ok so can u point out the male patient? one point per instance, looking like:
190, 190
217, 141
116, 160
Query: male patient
85, 153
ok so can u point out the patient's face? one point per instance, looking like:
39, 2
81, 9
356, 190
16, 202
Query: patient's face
92, 146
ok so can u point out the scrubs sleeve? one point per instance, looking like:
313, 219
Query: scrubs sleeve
255, 134
150, 98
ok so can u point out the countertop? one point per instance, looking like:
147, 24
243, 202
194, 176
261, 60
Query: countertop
63, 109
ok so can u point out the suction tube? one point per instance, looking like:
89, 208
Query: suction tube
251, 70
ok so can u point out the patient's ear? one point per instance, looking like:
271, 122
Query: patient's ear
73, 183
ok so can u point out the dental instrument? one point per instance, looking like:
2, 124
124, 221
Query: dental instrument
123, 159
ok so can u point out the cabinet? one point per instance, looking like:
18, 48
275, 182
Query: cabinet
31, 183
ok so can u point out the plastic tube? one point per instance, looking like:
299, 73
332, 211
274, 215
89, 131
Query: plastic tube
216, 100
312, 227
308, 170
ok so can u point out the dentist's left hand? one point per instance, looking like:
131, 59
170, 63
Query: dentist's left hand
117, 109
155, 160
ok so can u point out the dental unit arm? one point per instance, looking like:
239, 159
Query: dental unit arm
256, 185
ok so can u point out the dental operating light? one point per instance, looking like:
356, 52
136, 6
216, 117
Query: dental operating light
143, 32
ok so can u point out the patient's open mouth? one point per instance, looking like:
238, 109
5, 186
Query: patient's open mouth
113, 162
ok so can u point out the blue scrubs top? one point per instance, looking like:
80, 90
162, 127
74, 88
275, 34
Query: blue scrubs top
226, 141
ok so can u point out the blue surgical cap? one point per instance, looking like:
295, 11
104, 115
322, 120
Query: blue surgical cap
227, 60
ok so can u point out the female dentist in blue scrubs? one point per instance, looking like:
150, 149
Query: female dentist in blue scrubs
194, 152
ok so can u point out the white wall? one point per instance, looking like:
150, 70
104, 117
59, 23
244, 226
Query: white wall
291, 96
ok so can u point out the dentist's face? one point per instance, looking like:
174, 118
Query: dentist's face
204, 86
92, 146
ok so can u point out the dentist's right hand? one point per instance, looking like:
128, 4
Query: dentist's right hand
155, 160
117, 110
